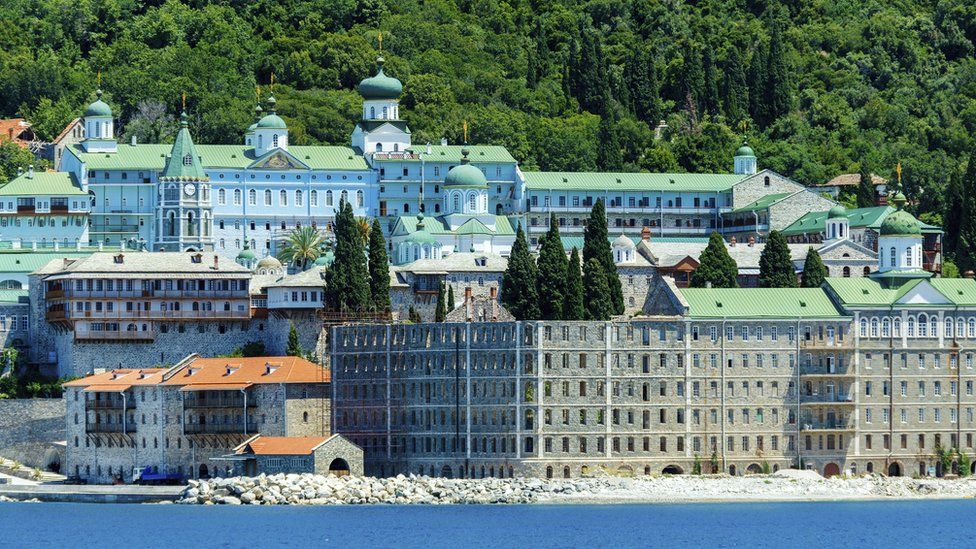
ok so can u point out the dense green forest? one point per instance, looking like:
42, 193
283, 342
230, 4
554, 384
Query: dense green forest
821, 87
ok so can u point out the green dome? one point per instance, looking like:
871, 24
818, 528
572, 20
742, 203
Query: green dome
837, 211
745, 150
465, 175
246, 254
272, 121
421, 235
380, 86
99, 107
900, 222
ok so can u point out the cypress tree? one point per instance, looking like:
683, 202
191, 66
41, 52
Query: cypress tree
694, 77
775, 264
966, 248
531, 71
642, 82
736, 89
379, 269
758, 80
865, 188
573, 303
597, 305
814, 271
294, 348
609, 156
440, 312
347, 281
519, 293
779, 87
709, 99
952, 217
450, 299
715, 266
551, 281
596, 245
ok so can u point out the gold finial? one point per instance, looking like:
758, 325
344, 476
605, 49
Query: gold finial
257, 93
898, 171
271, 87
184, 101
99, 78
380, 39
465, 126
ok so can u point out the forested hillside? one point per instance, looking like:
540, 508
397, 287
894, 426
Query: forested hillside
821, 87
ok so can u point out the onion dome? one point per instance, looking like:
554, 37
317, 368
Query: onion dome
246, 254
900, 222
99, 107
837, 212
380, 86
421, 235
745, 150
271, 120
465, 175
257, 117
623, 242
269, 262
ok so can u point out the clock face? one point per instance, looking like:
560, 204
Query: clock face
189, 189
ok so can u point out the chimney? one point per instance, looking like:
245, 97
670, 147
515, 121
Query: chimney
708, 284
20, 171
134, 141
494, 292
732, 242
101, 245
428, 148
752, 241
30, 172
969, 274
443, 142
215, 261
646, 234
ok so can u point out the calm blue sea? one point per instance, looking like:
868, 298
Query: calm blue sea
788, 525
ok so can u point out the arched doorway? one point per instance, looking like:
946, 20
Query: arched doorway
831, 470
732, 470
870, 467
625, 471
566, 472
673, 470
894, 470
446, 472
753, 469
339, 467
204, 472
549, 471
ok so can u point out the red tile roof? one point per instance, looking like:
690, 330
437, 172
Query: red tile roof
123, 377
66, 129
213, 374
280, 446
11, 128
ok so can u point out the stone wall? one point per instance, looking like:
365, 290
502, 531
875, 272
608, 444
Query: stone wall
784, 213
762, 184
28, 427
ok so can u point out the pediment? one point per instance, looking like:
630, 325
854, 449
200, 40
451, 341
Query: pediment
923, 293
278, 159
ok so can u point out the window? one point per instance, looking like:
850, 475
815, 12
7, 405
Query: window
267, 197
313, 198
283, 198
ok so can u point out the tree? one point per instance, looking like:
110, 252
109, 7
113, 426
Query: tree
693, 75
866, 193
440, 311
814, 271
966, 247
519, 294
551, 280
573, 308
779, 88
302, 247
294, 348
609, 157
596, 245
775, 263
642, 81
379, 269
952, 216
450, 299
715, 266
597, 305
709, 101
347, 281
11, 158
758, 79
736, 90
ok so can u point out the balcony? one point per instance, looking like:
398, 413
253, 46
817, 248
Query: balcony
123, 316
826, 344
103, 335
107, 405
217, 429
56, 315
836, 371
128, 427
218, 402
835, 425
827, 398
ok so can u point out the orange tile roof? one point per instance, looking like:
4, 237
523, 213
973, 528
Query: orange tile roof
122, 377
216, 387
251, 370
280, 446
66, 129
11, 128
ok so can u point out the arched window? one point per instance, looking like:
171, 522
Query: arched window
910, 328
283, 198
274, 140
971, 329
384, 113
457, 201
886, 327
847, 272
933, 326
379, 147
221, 196
252, 197
313, 198
298, 197
267, 197
896, 327
867, 271
864, 327
473, 202
922, 327
893, 257
260, 141
237, 197
960, 328
948, 328
874, 327
360, 199
344, 197
909, 260
372, 113
328, 198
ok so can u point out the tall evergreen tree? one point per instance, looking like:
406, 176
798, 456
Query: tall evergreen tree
736, 88
642, 81
866, 192
519, 294
596, 245
450, 299
573, 308
551, 281
758, 80
294, 347
710, 90
693, 76
814, 271
966, 248
379, 269
952, 216
715, 266
347, 281
609, 156
775, 264
780, 84
597, 305
531, 70
440, 311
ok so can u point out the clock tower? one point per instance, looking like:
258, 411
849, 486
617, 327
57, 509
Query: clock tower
185, 211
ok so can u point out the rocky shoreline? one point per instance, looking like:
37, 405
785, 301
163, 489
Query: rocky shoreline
306, 489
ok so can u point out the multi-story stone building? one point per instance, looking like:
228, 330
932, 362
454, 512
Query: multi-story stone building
865, 374
44, 209
177, 420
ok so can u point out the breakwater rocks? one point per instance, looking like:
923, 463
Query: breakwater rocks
309, 489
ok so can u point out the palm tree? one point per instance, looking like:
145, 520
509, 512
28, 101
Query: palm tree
302, 247
365, 225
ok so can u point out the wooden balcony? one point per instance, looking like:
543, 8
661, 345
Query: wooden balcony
218, 429
128, 427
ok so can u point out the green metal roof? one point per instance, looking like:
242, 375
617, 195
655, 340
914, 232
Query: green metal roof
407, 224
762, 203
569, 242
183, 163
473, 226
961, 291
27, 261
452, 153
759, 303
43, 184
614, 182
871, 218
153, 157
870, 292
12, 296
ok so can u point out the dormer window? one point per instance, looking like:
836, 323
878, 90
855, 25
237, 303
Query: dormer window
270, 368
187, 160
196, 258
119, 259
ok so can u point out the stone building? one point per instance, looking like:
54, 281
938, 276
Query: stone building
261, 455
176, 420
